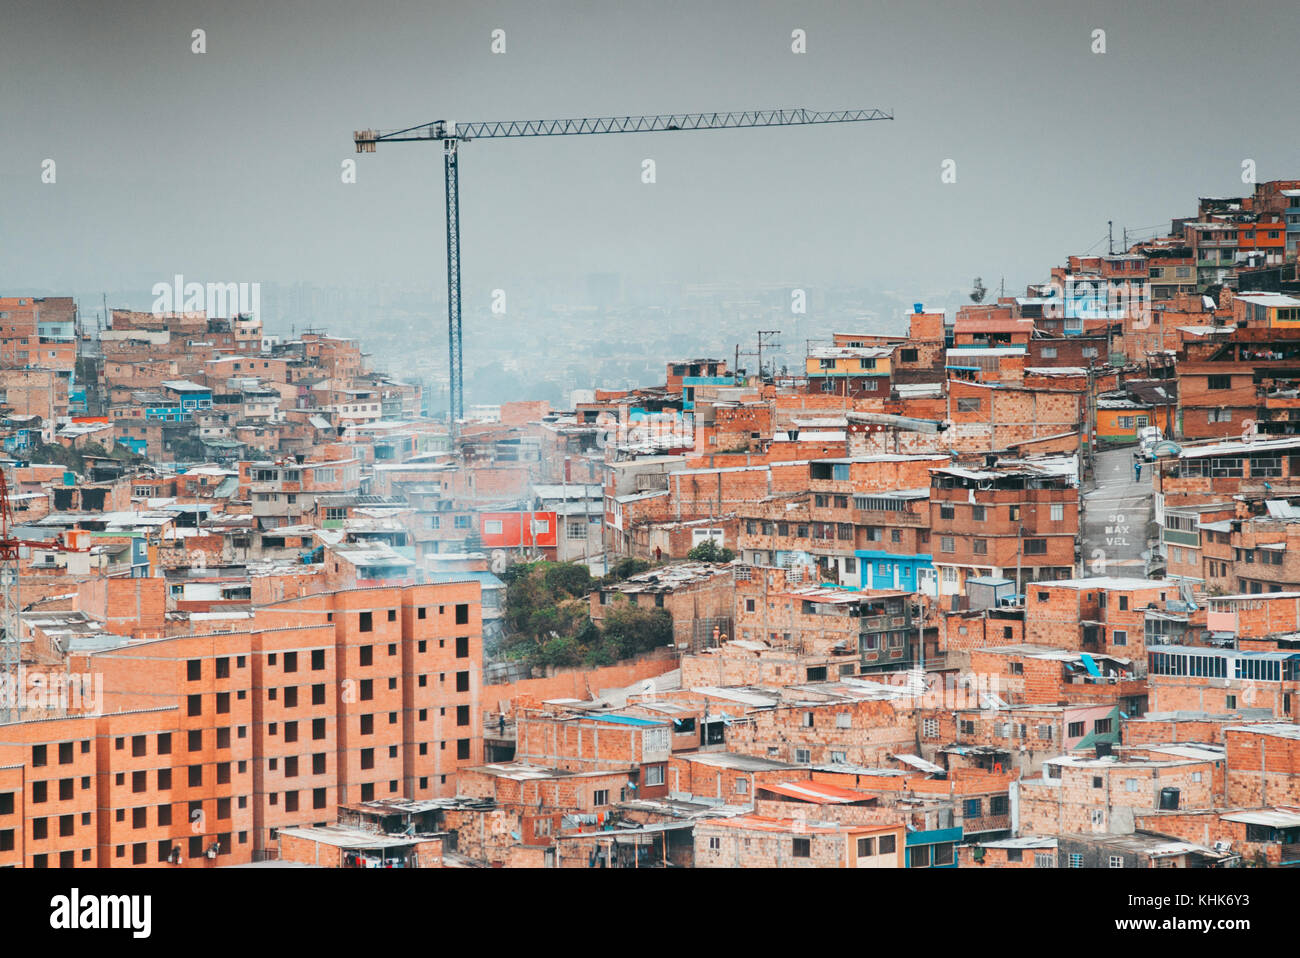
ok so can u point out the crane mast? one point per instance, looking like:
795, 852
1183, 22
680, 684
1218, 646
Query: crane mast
10, 635
452, 135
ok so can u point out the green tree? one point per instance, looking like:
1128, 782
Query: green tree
56, 454
572, 578
561, 651
710, 551
627, 567
637, 629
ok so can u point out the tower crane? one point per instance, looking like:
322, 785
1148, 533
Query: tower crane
452, 135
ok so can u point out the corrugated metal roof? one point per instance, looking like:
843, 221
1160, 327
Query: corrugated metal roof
822, 793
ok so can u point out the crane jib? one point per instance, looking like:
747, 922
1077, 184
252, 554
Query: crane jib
577, 126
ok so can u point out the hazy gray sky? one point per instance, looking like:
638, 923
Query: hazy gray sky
225, 166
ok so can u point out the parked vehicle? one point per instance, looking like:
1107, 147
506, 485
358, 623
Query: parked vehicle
1148, 436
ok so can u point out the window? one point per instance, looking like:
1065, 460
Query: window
367, 622
968, 405
1044, 860
801, 848
600, 797
1116, 861
1075, 860
1035, 547
947, 544
1075, 730
654, 775
1058, 511
930, 728
1220, 382
980, 547
802, 756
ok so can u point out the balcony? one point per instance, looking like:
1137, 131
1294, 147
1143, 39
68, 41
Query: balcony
884, 623
876, 517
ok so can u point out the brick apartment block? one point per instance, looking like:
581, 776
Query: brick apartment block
729, 777
846, 730
1033, 674
1028, 852
742, 662
1102, 795
1013, 737
1099, 614
210, 743
752, 841
1202, 679
633, 746
518, 785
1263, 764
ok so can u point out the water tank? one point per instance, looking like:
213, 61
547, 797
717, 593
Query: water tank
916, 307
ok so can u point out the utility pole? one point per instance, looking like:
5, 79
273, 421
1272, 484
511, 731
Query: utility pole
1110, 239
765, 338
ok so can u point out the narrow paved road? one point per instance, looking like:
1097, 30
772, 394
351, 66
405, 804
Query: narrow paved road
1117, 513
